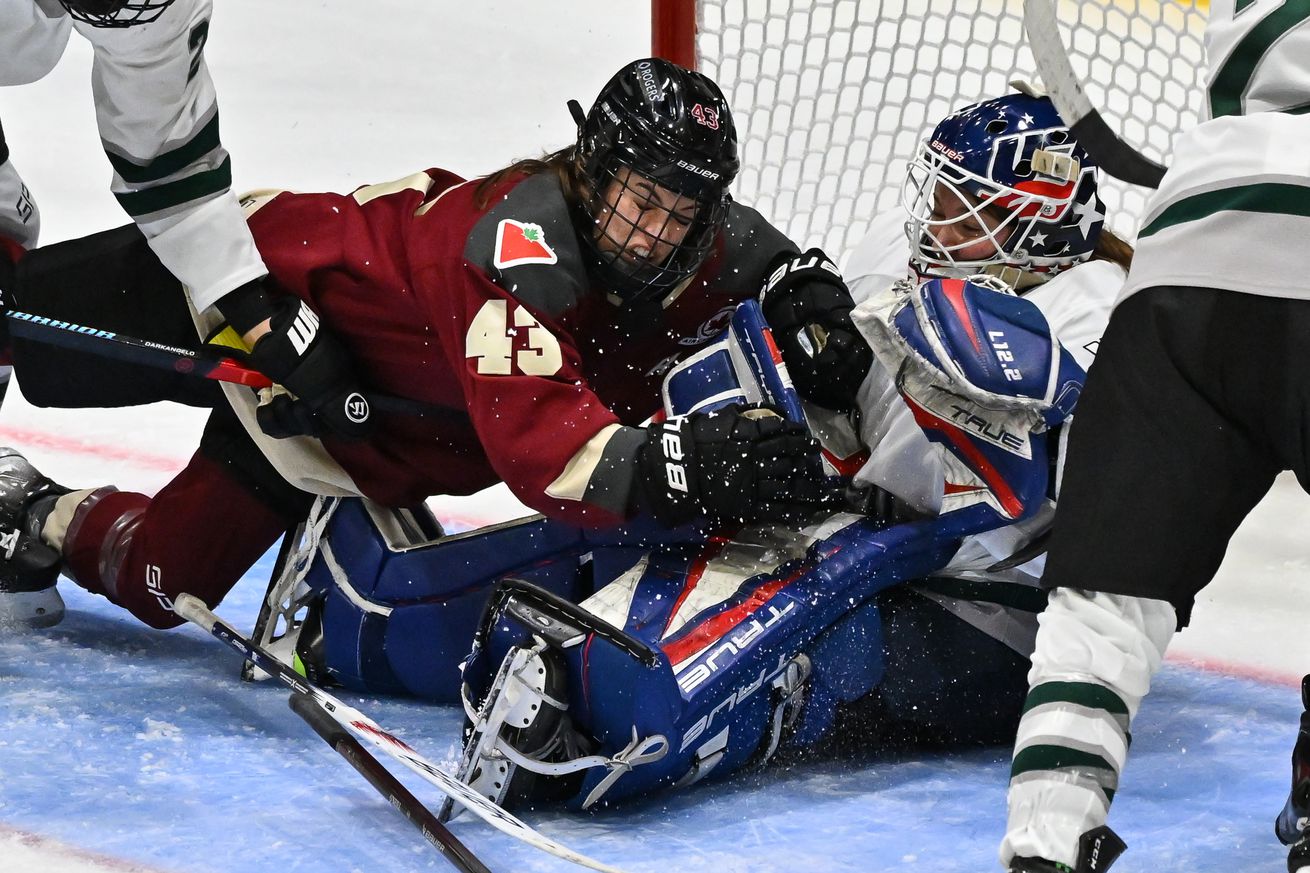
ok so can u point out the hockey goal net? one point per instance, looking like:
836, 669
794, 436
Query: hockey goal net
833, 97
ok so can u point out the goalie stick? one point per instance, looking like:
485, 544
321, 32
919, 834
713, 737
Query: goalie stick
205, 362
387, 785
1115, 156
193, 610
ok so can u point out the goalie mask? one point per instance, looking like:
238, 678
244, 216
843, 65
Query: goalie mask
115, 13
1002, 187
657, 152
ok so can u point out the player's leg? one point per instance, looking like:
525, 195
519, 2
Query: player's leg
111, 281
1161, 471
945, 683
199, 534
1288, 382
20, 226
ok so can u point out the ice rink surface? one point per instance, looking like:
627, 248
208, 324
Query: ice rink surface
124, 749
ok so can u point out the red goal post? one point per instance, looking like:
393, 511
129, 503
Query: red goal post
833, 97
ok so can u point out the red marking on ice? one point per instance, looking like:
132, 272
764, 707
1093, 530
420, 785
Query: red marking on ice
58, 855
1267, 675
27, 437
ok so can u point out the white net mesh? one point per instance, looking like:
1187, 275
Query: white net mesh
832, 97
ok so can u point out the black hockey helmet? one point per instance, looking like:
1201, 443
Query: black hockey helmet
670, 126
115, 13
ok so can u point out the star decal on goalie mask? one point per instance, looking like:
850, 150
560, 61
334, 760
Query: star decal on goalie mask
1087, 216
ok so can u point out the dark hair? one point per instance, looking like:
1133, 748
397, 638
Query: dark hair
1109, 245
563, 163
1112, 247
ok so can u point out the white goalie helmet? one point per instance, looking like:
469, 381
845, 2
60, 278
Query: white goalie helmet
1002, 187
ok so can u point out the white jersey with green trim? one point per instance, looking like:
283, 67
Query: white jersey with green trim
158, 120
1233, 212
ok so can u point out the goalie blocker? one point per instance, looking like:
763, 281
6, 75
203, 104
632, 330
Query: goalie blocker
690, 656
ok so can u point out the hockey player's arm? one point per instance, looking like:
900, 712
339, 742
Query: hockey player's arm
158, 119
289, 344
563, 453
809, 308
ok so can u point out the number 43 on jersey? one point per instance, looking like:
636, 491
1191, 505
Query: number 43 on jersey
505, 343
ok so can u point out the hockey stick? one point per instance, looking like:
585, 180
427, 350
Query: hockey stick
387, 785
205, 362
194, 611
1112, 154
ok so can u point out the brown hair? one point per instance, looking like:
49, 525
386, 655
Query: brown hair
1112, 247
562, 163
1109, 245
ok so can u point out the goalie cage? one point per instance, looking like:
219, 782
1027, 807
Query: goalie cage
833, 97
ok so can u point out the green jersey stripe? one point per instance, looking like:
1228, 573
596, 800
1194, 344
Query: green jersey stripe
1234, 76
1276, 198
165, 165
1038, 758
1087, 694
191, 188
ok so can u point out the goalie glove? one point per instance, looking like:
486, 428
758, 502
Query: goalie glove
323, 396
808, 306
734, 465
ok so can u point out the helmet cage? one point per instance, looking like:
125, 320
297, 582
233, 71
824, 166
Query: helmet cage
115, 13
617, 243
1031, 188
661, 124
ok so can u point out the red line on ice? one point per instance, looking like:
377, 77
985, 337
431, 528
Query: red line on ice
24, 437
56, 851
1267, 675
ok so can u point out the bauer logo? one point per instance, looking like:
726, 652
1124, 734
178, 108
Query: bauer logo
519, 243
699, 171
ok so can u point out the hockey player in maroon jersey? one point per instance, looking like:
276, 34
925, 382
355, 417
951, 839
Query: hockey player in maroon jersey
539, 306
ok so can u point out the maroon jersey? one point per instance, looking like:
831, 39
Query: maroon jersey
489, 313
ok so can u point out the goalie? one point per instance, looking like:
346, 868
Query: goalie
691, 654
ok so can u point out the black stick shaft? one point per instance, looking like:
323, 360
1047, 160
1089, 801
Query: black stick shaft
204, 362
386, 784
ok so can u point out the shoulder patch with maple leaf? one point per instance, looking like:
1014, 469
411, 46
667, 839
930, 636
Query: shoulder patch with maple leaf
519, 242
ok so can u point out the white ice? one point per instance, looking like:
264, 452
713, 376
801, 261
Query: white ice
124, 749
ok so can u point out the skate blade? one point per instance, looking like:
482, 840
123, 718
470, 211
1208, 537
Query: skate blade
21, 610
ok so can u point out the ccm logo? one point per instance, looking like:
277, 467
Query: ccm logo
674, 472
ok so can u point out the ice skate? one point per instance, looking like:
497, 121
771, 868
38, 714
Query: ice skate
28, 567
